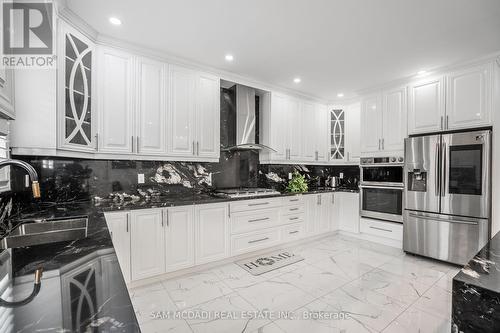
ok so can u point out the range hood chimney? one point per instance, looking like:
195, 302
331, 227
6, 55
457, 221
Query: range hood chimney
246, 121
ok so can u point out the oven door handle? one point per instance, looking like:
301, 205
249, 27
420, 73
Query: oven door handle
383, 187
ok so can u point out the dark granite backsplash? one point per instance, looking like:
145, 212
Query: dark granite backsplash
66, 180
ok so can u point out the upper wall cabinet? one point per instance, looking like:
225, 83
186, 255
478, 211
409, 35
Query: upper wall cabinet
461, 99
353, 132
76, 129
426, 106
207, 116
384, 118
337, 135
314, 127
469, 97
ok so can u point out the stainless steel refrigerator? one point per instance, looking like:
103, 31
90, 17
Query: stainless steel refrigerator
447, 195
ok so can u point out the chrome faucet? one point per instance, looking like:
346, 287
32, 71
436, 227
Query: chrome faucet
35, 186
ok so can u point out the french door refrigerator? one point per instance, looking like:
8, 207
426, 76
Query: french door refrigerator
447, 195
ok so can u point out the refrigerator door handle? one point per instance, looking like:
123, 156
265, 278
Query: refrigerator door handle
437, 219
437, 182
443, 167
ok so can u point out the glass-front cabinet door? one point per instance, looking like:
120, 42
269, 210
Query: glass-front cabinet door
337, 135
75, 116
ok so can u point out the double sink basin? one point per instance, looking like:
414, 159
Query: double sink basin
36, 232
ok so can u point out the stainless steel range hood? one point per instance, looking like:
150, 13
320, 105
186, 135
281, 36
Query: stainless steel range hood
246, 121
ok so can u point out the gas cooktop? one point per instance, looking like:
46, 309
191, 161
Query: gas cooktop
245, 192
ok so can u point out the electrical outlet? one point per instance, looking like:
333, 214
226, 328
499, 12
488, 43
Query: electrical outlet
289, 175
341, 175
140, 178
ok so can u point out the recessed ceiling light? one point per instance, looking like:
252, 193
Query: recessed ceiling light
422, 73
340, 95
297, 80
229, 57
115, 21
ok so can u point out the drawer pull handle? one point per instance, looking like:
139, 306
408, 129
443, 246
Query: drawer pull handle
293, 232
293, 218
258, 240
377, 228
257, 220
292, 209
259, 204
292, 200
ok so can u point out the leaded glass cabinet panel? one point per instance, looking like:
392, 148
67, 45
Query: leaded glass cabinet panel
337, 135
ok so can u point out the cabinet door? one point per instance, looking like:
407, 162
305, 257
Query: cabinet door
279, 127
312, 213
76, 125
179, 239
468, 97
348, 218
208, 116
371, 124
426, 106
394, 125
309, 147
320, 133
211, 232
334, 208
119, 229
294, 130
147, 243
353, 132
115, 102
182, 112
325, 209
151, 107
337, 135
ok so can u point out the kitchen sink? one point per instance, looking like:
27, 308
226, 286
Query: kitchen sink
36, 232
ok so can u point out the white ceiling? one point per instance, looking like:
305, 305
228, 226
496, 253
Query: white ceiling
333, 45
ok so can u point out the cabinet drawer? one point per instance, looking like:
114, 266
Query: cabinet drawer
293, 200
249, 221
293, 218
254, 240
252, 205
292, 209
293, 231
382, 229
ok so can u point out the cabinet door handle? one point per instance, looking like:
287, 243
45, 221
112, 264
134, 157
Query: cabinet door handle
132, 143
293, 200
348, 156
293, 232
441, 122
97, 142
383, 144
293, 218
137, 142
447, 122
194, 150
168, 222
257, 220
378, 144
258, 240
126, 224
382, 229
293, 209
198, 148
162, 223
333, 198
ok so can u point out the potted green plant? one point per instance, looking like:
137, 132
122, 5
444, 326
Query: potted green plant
297, 184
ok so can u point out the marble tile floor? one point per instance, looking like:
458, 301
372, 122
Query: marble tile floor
343, 285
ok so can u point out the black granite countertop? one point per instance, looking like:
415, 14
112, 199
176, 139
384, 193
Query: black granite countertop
82, 288
128, 202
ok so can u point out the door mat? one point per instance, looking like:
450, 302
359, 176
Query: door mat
265, 263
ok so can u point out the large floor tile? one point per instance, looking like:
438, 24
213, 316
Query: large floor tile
403, 290
417, 321
194, 289
269, 328
344, 266
225, 314
275, 295
367, 256
436, 301
150, 299
446, 282
315, 281
413, 269
371, 309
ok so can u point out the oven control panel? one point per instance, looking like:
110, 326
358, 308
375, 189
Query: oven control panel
382, 160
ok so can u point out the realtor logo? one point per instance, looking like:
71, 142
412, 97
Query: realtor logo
28, 34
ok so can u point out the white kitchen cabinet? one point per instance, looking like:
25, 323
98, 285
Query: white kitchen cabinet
116, 102
348, 211
211, 232
469, 97
294, 127
119, 229
309, 151
353, 132
320, 132
371, 124
276, 136
337, 135
326, 203
394, 124
179, 237
426, 106
147, 239
208, 116
151, 110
